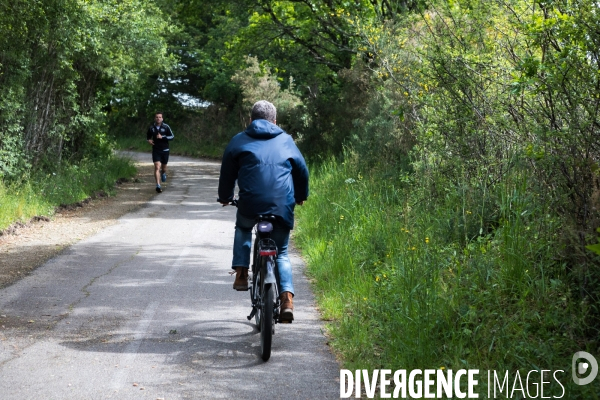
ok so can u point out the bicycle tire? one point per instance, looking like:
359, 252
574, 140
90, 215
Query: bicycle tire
266, 329
255, 281
258, 315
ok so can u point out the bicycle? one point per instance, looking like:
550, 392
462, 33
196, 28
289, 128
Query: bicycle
264, 293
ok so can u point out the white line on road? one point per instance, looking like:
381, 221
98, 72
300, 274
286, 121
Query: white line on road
128, 356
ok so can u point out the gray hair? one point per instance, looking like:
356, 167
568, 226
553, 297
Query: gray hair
262, 109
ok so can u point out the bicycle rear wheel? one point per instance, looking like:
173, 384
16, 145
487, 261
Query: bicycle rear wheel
259, 311
255, 287
266, 321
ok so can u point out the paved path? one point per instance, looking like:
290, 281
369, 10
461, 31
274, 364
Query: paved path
145, 310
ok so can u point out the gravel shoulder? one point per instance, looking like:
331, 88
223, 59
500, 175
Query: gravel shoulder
30, 246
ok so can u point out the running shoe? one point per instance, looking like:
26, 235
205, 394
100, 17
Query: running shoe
163, 177
158, 189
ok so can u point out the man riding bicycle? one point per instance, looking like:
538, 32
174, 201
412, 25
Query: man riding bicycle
272, 178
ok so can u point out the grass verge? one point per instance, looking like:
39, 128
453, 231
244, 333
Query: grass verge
43, 192
469, 277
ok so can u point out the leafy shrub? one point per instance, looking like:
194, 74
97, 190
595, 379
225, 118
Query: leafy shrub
258, 83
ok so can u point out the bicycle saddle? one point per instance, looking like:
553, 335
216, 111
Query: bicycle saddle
265, 227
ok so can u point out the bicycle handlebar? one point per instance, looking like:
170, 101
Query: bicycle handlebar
233, 202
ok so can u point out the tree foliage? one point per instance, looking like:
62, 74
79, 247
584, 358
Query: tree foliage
259, 84
62, 63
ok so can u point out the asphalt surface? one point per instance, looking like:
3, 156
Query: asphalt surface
145, 310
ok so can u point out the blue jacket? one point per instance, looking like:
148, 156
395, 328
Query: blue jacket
270, 171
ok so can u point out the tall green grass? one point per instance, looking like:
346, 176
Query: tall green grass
42, 192
413, 271
19, 203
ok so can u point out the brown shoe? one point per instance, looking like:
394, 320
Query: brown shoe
241, 279
287, 307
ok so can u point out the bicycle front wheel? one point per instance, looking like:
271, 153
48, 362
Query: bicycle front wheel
266, 321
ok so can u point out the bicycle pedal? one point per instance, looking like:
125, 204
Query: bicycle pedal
252, 313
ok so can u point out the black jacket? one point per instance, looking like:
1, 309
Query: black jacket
166, 133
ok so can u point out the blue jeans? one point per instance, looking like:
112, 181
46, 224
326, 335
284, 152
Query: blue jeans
242, 243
